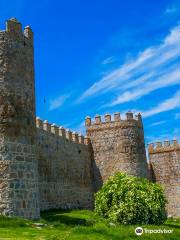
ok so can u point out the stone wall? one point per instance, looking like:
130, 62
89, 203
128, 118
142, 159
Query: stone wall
43, 166
165, 169
18, 163
118, 145
17, 94
18, 180
65, 168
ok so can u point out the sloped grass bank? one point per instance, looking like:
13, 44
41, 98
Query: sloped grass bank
78, 225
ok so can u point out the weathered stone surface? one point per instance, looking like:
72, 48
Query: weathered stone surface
17, 121
65, 175
165, 169
117, 146
18, 176
43, 166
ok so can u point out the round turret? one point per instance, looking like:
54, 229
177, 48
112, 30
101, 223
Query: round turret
118, 145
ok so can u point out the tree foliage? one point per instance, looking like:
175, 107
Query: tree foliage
131, 200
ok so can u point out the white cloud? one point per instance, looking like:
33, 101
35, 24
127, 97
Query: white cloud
108, 60
58, 102
117, 76
157, 123
152, 69
167, 105
169, 79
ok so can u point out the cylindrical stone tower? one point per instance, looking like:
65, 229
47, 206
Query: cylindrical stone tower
164, 160
117, 145
18, 162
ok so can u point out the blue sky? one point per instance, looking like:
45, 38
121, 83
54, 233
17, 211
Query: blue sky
105, 56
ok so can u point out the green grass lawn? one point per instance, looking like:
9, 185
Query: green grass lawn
78, 225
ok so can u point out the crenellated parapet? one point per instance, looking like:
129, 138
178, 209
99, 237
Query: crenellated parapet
108, 121
14, 30
62, 132
118, 145
17, 80
166, 146
164, 159
17, 123
47, 166
64, 161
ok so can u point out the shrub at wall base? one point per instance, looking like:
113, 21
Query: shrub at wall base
131, 200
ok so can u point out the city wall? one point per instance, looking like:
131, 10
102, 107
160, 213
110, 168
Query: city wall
64, 168
44, 166
165, 169
18, 163
118, 145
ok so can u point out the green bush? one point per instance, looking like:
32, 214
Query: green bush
131, 200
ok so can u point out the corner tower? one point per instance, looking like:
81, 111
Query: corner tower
18, 162
117, 145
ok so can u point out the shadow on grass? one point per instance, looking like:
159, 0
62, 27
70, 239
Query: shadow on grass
12, 222
58, 216
171, 225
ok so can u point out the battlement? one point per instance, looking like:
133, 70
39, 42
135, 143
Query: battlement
62, 132
14, 28
166, 146
59, 167
115, 121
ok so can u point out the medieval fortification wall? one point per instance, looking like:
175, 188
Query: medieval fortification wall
18, 162
44, 166
64, 167
165, 168
118, 145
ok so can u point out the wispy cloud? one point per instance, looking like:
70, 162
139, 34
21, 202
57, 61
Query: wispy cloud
157, 123
116, 77
154, 68
58, 102
169, 79
167, 105
108, 60
172, 10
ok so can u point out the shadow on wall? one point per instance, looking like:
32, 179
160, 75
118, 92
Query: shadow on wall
152, 176
97, 178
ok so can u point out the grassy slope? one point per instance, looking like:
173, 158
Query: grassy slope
78, 225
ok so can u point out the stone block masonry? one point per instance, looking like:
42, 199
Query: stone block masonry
18, 176
65, 168
118, 145
40, 168
165, 169
18, 180
43, 166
